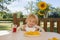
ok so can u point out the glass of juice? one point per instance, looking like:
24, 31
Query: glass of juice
14, 28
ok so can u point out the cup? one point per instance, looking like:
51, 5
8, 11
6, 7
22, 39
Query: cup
14, 28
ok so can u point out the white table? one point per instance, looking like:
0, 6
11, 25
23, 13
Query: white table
20, 36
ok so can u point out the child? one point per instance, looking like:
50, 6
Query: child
31, 24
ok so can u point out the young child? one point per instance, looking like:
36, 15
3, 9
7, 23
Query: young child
31, 24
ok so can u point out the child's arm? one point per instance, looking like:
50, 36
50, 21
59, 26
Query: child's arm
18, 28
23, 28
38, 28
41, 29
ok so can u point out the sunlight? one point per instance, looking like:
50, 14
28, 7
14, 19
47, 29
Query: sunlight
3, 32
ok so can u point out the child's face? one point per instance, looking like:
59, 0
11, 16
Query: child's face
31, 22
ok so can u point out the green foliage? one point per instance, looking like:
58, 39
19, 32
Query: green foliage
54, 12
9, 15
4, 16
1, 0
4, 27
19, 14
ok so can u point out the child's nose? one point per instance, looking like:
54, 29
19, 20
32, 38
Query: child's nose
31, 22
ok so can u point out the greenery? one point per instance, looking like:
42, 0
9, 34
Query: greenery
4, 11
7, 2
5, 27
5, 15
32, 6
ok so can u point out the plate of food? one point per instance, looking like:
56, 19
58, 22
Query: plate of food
31, 33
54, 38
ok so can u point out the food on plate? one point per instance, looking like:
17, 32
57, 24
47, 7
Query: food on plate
31, 33
54, 38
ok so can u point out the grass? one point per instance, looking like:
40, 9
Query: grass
5, 26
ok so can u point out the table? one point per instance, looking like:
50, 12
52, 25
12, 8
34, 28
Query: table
20, 36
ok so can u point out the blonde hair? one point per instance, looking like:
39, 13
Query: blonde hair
32, 16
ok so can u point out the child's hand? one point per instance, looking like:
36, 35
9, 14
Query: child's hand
18, 28
37, 29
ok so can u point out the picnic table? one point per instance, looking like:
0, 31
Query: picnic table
8, 35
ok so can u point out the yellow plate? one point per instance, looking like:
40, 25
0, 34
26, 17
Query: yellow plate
54, 38
35, 33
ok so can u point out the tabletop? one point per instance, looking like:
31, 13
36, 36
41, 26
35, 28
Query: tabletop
20, 36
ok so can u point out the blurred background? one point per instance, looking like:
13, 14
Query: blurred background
23, 8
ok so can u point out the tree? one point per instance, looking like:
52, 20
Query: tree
3, 8
2, 13
19, 14
55, 13
2, 2
9, 15
29, 7
4, 16
58, 11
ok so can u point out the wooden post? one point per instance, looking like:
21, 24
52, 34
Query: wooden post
58, 26
51, 25
18, 22
45, 24
24, 21
14, 18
